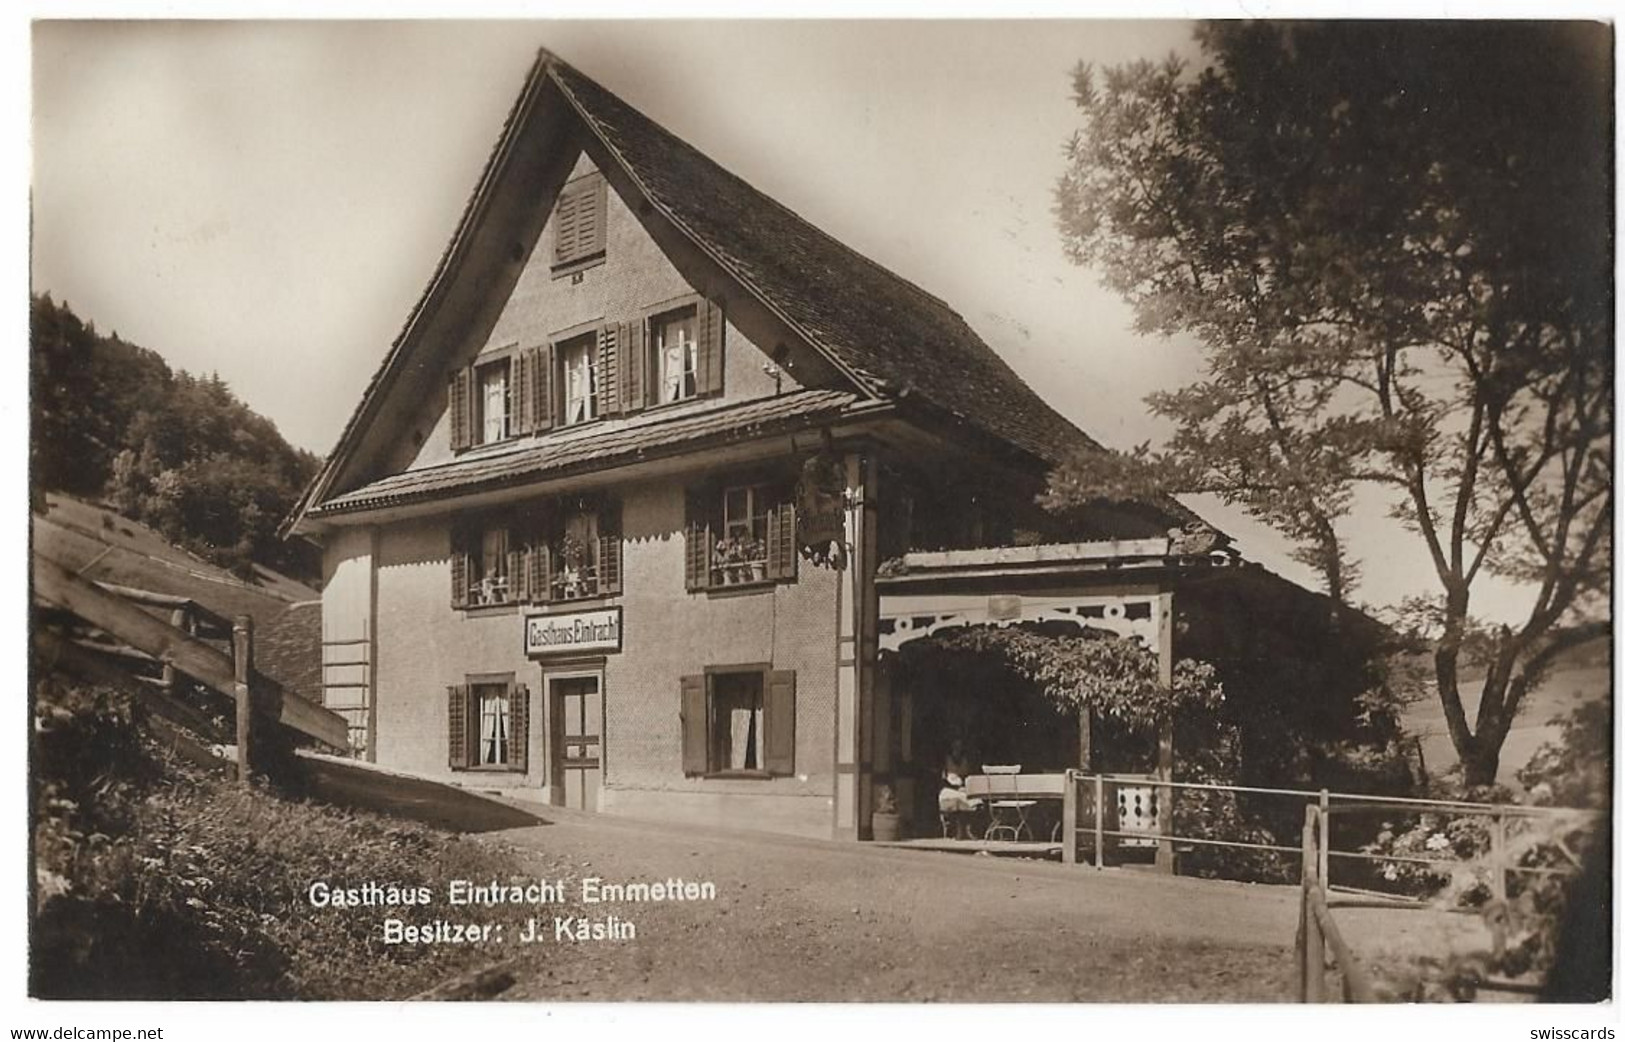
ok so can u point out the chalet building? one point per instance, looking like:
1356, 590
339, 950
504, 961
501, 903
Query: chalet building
657, 480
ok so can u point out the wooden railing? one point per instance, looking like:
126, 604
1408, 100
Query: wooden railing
260, 701
1317, 930
1090, 798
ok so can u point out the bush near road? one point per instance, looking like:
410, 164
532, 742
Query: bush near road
156, 881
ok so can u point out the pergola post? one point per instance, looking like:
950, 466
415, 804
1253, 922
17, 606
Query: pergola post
1165, 734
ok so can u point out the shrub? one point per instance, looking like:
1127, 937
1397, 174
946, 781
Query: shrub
157, 881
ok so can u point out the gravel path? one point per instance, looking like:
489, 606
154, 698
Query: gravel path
808, 920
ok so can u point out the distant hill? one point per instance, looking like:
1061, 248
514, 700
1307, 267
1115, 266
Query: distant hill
111, 421
1582, 674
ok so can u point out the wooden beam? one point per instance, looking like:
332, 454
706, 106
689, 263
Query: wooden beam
1165, 735
157, 638
167, 600
59, 652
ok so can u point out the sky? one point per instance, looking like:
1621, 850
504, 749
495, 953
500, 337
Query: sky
267, 200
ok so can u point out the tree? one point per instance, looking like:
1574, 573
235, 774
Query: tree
169, 449
1392, 243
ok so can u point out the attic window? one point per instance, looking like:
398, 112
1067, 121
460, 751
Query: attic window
578, 224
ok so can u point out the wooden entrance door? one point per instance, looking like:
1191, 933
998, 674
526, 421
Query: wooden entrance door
576, 709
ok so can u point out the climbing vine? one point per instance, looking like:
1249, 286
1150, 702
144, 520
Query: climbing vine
1116, 678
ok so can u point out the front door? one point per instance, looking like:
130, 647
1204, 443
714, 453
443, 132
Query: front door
576, 711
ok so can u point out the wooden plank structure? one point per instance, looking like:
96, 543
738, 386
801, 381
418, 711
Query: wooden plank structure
260, 700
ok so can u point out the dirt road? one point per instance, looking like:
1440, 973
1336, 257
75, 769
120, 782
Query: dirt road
807, 920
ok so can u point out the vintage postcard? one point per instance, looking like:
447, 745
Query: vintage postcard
1048, 511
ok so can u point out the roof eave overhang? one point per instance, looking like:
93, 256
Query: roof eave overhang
857, 421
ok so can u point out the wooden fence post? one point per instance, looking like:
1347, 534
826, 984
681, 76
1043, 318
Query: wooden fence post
1313, 974
1069, 819
242, 661
1498, 845
1100, 822
1323, 866
177, 619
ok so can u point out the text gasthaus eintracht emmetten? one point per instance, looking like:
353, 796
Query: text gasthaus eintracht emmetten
429, 926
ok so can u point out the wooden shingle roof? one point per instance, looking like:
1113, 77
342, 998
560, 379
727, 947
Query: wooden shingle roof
894, 336
892, 339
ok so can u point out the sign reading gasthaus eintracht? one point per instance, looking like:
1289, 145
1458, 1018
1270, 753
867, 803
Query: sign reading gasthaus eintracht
573, 632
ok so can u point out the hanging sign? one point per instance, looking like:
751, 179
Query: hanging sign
574, 632
821, 510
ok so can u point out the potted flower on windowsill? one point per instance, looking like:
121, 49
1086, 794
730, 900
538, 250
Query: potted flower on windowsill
755, 559
741, 560
886, 824
572, 557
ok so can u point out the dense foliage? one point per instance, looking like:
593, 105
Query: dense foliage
1557, 889
1116, 679
156, 881
1386, 239
174, 451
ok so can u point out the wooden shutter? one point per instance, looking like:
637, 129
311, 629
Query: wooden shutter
781, 541
609, 370
518, 727
516, 567
592, 220
457, 726
565, 223
578, 220
635, 366
541, 388
609, 548
521, 393
541, 572
708, 366
458, 402
459, 566
780, 722
695, 760
697, 549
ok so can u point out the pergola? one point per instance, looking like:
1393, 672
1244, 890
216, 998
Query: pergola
1127, 588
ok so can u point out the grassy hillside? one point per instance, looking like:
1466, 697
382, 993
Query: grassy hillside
101, 545
1582, 676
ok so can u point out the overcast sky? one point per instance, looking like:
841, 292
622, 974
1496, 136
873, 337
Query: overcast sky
267, 200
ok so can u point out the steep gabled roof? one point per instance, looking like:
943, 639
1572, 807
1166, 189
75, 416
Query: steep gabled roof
894, 336
891, 338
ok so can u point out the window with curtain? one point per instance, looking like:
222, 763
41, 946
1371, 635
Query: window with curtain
736, 722
676, 352
493, 401
578, 573
489, 580
495, 725
579, 370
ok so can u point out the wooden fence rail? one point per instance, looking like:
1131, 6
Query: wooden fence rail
255, 693
1317, 930
1087, 800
